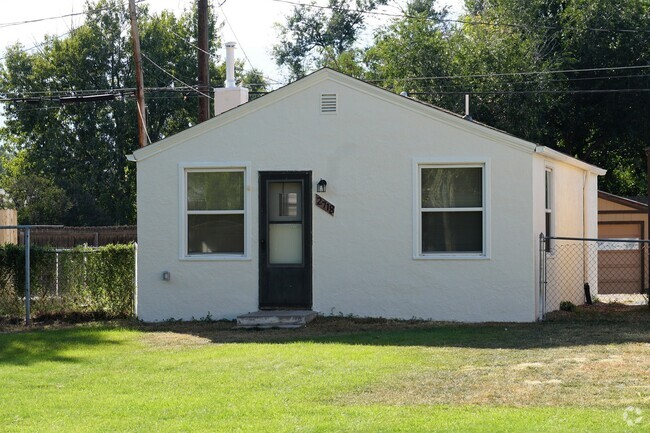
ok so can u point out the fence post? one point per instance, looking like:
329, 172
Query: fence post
542, 275
56, 271
28, 296
135, 280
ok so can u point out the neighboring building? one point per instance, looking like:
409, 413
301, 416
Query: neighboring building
425, 214
620, 217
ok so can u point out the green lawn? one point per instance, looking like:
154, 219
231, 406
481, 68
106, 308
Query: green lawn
336, 375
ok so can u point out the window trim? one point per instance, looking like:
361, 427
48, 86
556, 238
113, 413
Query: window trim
186, 167
549, 195
418, 164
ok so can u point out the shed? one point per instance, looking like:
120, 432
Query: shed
621, 217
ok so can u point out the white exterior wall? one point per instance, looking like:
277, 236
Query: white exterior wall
363, 261
574, 196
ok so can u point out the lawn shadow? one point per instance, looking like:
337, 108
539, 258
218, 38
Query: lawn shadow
576, 329
49, 345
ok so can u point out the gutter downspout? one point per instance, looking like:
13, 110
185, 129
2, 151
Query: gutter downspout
585, 246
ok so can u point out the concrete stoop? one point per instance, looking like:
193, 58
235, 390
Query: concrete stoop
276, 319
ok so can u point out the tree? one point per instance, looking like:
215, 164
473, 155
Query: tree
505, 53
37, 199
413, 46
592, 116
315, 36
81, 148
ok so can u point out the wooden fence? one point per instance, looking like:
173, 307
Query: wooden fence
69, 237
8, 217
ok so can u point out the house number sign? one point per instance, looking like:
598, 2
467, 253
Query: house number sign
325, 205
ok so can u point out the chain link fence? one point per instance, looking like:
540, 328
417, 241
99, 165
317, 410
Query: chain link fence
576, 271
67, 283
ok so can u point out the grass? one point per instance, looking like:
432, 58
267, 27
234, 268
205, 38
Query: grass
576, 373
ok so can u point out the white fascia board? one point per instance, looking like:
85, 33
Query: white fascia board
559, 156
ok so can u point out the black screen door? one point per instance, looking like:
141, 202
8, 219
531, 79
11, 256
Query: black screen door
285, 240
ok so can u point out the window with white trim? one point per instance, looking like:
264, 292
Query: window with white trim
548, 207
452, 209
215, 212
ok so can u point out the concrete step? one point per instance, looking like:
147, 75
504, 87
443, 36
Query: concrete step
276, 319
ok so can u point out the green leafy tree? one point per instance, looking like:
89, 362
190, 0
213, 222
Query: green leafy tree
38, 199
80, 148
595, 116
314, 37
414, 46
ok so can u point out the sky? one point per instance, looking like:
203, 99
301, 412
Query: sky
251, 22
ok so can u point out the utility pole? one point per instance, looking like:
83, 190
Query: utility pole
139, 81
204, 74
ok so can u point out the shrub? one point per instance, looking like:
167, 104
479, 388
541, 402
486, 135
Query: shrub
82, 280
567, 306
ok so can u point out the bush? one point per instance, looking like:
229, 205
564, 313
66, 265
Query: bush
567, 306
82, 280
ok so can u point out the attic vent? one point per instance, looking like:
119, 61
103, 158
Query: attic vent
328, 103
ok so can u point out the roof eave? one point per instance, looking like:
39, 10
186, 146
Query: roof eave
562, 157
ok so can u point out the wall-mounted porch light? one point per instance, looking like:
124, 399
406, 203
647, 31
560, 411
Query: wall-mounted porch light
321, 186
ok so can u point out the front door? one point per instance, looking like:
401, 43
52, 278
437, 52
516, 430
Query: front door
285, 240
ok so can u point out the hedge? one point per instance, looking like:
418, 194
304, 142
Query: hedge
96, 281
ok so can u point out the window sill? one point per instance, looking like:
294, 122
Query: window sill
452, 257
215, 258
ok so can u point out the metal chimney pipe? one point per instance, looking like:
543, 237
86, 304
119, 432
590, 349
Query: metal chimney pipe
467, 116
230, 65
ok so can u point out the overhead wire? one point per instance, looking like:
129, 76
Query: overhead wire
503, 74
74, 14
515, 92
24, 50
173, 77
52, 18
241, 47
223, 12
459, 21
209, 54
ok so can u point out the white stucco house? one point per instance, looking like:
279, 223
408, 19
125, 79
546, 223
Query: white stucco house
425, 213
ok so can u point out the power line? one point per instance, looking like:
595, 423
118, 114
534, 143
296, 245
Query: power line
236, 38
546, 81
504, 74
37, 20
238, 42
24, 50
515, 92
172, 76
458, 21
185, 89
102, 98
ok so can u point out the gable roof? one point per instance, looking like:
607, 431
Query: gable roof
325, 74
623, 201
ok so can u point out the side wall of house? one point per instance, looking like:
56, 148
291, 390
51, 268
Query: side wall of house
363, 256
574, 210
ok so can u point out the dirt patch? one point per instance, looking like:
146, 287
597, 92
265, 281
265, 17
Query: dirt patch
172, 340
526, 365
602, 311
546, 379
